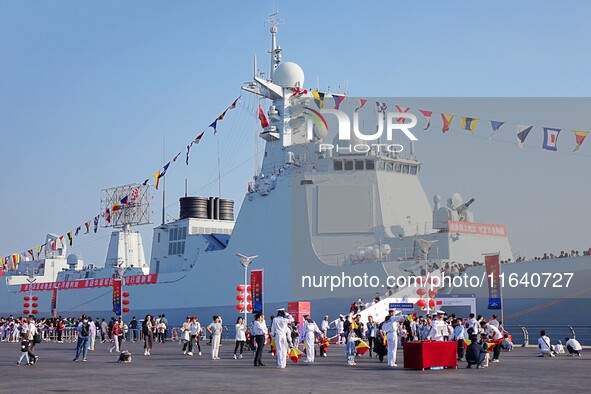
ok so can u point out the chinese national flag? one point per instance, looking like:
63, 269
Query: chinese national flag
262, 118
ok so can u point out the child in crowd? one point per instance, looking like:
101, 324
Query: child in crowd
24, 352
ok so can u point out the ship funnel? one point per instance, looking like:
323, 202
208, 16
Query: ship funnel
212, 208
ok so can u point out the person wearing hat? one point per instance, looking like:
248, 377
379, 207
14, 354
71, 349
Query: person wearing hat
309, 332
438, 327
390, 328
281, 332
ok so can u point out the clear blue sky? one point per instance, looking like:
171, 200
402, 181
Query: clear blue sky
89, 90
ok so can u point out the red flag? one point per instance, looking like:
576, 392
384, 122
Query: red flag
401, 110
262, 118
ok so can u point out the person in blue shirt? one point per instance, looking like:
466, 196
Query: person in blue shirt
459, 335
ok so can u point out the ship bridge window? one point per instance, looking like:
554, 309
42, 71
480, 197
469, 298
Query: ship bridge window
359, 164
348, 165
398, 167
381, 165
338, 165
389, 166
413, 170
405, 169
369, 165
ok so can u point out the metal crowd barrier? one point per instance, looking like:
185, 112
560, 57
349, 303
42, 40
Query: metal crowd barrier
528, 335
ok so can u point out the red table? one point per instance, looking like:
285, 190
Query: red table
421, 355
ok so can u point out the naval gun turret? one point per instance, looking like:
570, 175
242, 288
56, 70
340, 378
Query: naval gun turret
456, 210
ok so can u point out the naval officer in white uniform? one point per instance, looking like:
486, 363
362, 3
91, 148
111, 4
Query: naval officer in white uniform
281, 332
438, 328
309, 331
390, 328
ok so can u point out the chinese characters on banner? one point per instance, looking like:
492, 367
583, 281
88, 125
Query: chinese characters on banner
54, 303
256, 287
90, 283
493, 270
117, 296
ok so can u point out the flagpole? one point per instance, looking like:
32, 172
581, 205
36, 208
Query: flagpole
501, 290
163, 180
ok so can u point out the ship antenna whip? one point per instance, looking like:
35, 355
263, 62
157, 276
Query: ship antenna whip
219, 171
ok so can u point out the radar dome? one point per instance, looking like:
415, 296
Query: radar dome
72, 259
289, 75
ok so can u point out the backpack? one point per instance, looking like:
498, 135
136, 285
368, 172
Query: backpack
37, 337
85, 330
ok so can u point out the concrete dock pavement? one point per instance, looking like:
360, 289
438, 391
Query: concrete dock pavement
168, 370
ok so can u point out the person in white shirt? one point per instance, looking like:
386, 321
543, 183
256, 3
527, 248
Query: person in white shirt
494, 321
558, 348
240, 336
31, 330
495, 336
438, 328
282, 333
573, 346
473, 324
215, 329
92, 336
195, 330
544, 345
340, 325
308, 334
324, 325
390, 328
186, 336
260, 332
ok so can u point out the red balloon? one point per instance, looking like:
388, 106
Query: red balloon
26, 298
34, 311
26, 312
240, 288
34, 305
240, 297
249, 297
125, 294
419, 280
125, 310
125, 302
421, 292
421, 303
240, 307
431, 303
26, 305
249, 307
35, 298
432, 293
248, 288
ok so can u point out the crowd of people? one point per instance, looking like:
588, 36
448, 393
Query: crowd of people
479, 341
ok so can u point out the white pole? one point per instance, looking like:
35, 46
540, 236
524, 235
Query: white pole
245, 295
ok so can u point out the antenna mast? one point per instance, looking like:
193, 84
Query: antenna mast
274, 20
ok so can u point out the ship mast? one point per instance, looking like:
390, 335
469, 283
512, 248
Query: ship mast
274, 20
